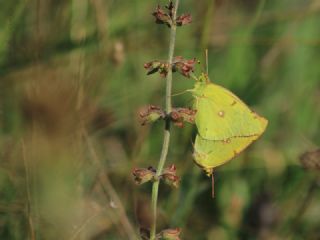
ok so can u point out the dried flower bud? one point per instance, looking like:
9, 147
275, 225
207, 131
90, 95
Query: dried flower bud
157, 66
311, 160
171, 169
183, 66
143, 175
151, 114
170, 177
152, 67
184, 19
177, 119
171, 234
171, 180
162, 17
181, 115
170, 8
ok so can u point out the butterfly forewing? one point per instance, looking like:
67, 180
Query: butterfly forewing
222, 115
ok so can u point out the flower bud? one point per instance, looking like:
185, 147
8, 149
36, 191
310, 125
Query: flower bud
143, 175
157, 66
170, 177
171, 234
166, 17
184, 19
181, 115
162, 17
151, 114
183, 66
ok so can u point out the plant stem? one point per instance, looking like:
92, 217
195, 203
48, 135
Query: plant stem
166, 137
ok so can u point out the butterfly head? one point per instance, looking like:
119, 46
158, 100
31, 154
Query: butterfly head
200, 84
203, 78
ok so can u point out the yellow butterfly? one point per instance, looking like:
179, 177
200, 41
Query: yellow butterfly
226, 125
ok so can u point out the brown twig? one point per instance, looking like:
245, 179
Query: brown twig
28, 210
105, 181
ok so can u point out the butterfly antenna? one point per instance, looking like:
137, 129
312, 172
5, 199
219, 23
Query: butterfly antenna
212, 185
179, 93
207, 61
194, 76
207, 65
203, 68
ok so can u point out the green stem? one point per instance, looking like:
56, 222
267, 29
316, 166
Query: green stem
166, 137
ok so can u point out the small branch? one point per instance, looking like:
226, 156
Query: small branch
305, 204
86, 222
30, 221
166, 137
106, 183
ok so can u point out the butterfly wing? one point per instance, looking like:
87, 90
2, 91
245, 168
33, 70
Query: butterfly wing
209, 154
222, 115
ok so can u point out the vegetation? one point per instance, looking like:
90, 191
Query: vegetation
72, 83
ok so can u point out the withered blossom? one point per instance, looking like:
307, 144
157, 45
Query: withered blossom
171, 234
157, 66
170, 177
183, 66
162, 17
184, 19
166, 17
151, 113
181, 115
143, 175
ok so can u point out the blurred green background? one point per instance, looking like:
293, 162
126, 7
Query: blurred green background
72, 83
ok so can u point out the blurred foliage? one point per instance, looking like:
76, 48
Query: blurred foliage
72, 82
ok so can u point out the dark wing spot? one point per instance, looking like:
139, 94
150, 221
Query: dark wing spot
234, 103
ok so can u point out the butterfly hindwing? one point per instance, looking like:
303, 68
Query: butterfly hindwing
209, 154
